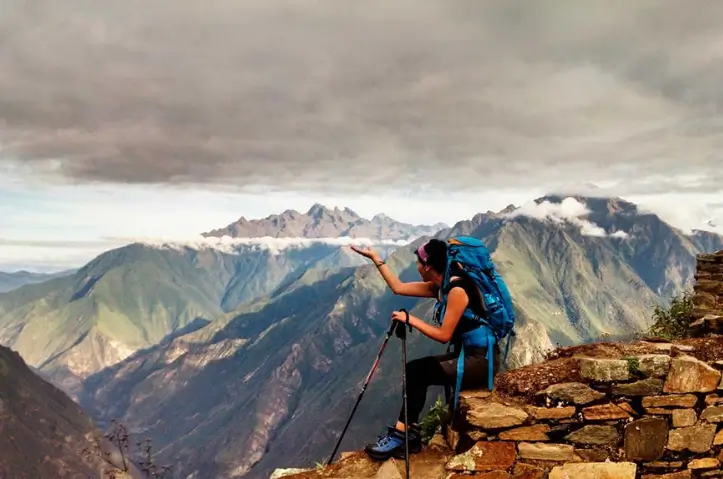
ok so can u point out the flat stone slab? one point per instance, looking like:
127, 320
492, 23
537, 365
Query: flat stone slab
538, 432
690, 375
551, 412
595, 470
546, 452
604, 370
604, 412
712, 414
592, 434
644, 387
671, 400
654, 365
684, 417
493, 415
576, 393
695, 438
704, 463
485, 456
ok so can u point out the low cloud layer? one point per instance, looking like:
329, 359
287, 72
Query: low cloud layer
344, 96
274, 245
52, 256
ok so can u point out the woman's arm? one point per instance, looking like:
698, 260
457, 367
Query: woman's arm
420, 289
457, 301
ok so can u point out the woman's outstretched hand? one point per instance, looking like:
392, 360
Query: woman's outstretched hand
366, 252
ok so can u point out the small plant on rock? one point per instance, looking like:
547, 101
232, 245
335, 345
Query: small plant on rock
433, 419
673, 322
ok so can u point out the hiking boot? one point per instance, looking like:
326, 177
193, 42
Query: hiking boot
392, 444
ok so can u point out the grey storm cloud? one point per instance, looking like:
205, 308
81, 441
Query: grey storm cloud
351, 95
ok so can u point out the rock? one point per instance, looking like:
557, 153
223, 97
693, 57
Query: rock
672, 475
664, 346
538, 432
492, 415
527, 471
592, 455
655, 411
388, 470
546, 452
550, 412
484, 456
484, 475
604, 370
438, 441
684, 417
645, 439
673, 400
712, 414
654, 365
604, 412
645, 387
664, 464
704, 463
627, 408
595, 470
718, 440
279, 473
598, 435
576, 393
690, 375
695, 438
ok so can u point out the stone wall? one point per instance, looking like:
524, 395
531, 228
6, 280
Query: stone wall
708, 292
647, 410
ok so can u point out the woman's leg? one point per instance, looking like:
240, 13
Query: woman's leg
421, 374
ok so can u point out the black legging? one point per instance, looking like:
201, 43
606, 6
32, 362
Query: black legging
441, 370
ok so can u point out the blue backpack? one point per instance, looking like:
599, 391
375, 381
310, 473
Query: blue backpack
468, 256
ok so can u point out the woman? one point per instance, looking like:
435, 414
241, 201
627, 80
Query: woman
431, 370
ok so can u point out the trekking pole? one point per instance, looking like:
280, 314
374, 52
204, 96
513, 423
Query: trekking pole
364, 388
402, 334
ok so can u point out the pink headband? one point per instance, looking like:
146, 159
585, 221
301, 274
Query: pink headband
423, 254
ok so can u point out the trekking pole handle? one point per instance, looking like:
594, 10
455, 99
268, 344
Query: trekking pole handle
401, 333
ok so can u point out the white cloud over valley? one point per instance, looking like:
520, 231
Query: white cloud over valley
569, 210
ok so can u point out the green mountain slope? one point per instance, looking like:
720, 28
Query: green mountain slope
279, 377
136, 296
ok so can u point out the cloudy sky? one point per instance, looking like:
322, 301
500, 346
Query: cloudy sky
164, 118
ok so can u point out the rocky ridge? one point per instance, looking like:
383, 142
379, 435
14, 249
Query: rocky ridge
645, 409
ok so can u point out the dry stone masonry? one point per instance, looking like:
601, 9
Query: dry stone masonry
708, 293
655, 413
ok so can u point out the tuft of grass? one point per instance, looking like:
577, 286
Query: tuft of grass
633, 366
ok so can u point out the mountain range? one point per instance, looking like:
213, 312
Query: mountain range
14, 280
323, 222
238, 358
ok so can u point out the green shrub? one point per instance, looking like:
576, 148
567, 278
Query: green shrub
673, 322
433, 419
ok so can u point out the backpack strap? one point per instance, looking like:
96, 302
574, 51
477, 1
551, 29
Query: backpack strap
480, 337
